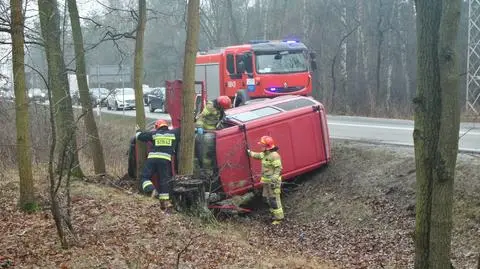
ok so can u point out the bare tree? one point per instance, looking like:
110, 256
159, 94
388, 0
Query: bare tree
437, 123
24, 158
138, 78
90, 125
187, 133
58, 84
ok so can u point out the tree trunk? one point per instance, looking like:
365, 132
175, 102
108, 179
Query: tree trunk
58, 84
266, 9
185, 166
305, 27
138, 81
364, 56
388, 95
90, 125
343, 63
403, 55
437, 120
377, 98
233, 24
189, 196
24, 157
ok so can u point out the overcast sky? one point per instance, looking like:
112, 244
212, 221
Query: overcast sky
85, 7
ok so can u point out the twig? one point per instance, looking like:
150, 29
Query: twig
185, 249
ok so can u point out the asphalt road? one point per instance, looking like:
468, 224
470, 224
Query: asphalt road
373, 130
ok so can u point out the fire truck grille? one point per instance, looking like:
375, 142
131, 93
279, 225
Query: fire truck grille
284, 90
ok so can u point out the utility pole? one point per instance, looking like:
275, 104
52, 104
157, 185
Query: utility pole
473, 59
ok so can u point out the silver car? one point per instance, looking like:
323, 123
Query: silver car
121, 98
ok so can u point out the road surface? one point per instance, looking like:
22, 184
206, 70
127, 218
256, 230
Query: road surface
376, 130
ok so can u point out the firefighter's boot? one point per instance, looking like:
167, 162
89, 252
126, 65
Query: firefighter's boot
166, 206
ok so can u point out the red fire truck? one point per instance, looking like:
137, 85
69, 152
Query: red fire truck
258, 69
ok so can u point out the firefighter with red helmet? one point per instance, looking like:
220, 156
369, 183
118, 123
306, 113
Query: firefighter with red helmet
213, 113
164, 145
271, 176
209, 119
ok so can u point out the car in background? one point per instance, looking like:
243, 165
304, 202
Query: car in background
156, 99
146, 91
37, 95
121, 98
99, 96
6, 94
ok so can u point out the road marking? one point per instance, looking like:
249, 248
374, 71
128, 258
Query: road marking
372, 126
393, 143
462, 132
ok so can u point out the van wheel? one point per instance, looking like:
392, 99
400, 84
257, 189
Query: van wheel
240, 98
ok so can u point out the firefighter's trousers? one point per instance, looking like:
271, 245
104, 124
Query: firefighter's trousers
163, 168
271, 192
205, 150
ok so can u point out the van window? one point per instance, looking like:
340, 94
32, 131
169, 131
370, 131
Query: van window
255, 114
294, 104
230, 64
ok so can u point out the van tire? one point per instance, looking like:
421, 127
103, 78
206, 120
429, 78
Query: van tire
240, 98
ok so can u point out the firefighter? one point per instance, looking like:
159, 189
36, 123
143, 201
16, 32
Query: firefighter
213, 113
209, 119
159, 160
271, 176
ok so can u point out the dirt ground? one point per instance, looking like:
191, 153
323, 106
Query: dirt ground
356, 213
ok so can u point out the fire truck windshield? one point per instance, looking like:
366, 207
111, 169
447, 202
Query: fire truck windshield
282, 62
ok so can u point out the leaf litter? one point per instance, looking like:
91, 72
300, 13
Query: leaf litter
356, 213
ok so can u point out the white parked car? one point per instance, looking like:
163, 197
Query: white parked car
121, 98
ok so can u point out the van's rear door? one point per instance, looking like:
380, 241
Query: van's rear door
232, 160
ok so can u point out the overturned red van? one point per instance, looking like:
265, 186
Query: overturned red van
298, 124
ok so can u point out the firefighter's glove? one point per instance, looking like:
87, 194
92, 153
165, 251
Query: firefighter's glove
265, 180
199, 130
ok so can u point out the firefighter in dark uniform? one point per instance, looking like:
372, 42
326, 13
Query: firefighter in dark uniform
271, 176
164, 145
210, 119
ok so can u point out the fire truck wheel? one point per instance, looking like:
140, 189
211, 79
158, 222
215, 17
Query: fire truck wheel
240, 98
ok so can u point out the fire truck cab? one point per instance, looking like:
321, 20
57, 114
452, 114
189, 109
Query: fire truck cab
258, 69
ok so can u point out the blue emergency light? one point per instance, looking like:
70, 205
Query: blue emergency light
290, 41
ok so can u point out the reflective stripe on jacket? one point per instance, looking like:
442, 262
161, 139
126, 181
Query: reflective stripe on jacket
164, 142
160, 155
209, 117
271, 165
